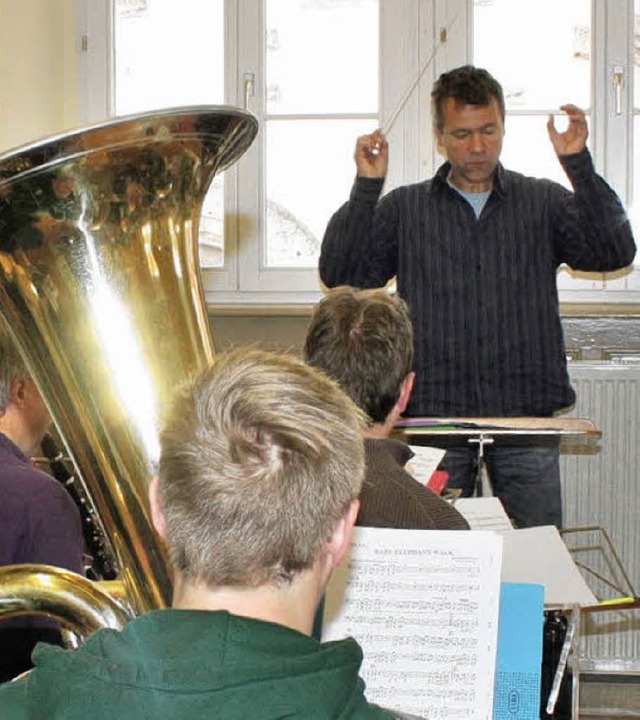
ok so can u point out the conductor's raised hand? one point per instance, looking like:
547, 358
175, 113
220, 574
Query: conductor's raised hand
574, 139
372, 155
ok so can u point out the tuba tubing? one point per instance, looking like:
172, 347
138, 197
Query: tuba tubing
100, 289
74, 601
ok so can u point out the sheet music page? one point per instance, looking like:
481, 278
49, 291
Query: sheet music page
484, 513
424, 462
423, 604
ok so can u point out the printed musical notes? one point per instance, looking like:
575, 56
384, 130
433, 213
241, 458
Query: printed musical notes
424, 606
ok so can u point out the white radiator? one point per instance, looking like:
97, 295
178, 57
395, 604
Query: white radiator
601, 487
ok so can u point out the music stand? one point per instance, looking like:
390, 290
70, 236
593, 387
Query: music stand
490, 430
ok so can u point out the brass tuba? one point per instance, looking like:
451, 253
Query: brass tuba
100, 289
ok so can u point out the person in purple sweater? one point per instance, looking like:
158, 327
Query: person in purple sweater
39, 522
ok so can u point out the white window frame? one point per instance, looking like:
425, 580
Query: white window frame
410, 31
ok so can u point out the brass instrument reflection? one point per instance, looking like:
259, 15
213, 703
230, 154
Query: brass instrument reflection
99, 560
100, 288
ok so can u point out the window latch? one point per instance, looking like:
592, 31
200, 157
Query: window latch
618, 81
249, 88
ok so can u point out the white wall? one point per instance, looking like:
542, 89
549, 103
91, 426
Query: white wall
37, 69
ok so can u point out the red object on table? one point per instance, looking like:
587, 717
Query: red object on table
438, 481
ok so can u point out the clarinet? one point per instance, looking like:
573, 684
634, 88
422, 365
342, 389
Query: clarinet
101, 565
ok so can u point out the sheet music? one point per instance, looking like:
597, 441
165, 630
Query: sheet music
484, 513
423, 604
424, 462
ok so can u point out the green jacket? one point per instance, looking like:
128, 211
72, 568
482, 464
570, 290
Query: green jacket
183, 664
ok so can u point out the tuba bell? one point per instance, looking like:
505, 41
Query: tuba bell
100, 290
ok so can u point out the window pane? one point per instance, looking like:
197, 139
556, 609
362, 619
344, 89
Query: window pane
310, 170
539, 50
165, 58
211, 231
322, 56
634, 210
636, 47
528, 150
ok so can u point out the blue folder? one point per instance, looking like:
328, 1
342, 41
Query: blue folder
519, 654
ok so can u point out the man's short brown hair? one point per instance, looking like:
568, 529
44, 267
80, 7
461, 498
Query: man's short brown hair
467, 85
363, 339
260, 458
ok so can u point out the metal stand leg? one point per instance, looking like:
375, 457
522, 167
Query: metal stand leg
574, 620
481, 441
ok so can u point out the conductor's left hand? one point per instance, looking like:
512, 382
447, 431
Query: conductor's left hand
574, 139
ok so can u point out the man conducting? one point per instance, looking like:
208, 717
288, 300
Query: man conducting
260, 469
475, 251
364, 340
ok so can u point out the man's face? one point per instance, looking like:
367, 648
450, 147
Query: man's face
471, 140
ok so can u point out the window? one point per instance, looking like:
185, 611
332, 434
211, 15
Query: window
619, 72
543, 65
314, 111
535, 83
318, 73
142, 56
